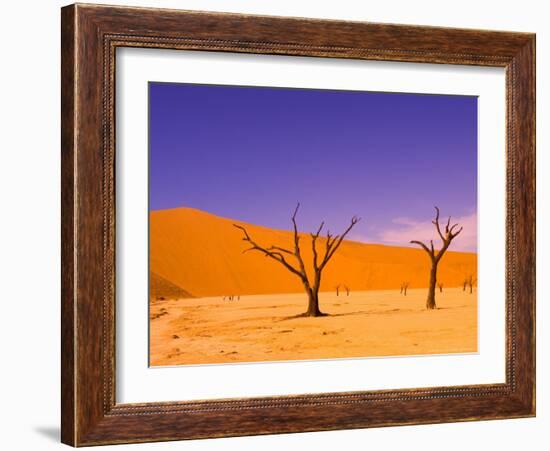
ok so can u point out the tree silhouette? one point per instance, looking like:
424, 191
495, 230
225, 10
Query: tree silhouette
277, 253
471, 282
435, 256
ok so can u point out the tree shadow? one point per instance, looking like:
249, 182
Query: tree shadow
358, 312
304, 315
324, 315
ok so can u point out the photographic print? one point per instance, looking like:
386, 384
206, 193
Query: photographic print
299, 224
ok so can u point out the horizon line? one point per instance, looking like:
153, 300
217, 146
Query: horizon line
404, 245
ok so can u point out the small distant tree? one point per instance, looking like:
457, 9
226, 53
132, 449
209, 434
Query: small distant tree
404, 287
464, 284
440, 286
471, 282
435, 256
279, 254
347, 290
337, 290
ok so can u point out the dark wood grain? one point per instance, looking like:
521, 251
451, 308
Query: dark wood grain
90, 36
68, 298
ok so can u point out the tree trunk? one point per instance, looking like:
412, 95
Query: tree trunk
430, 302
313, 303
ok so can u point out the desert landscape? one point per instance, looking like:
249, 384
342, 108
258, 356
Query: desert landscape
210, 303
299, 224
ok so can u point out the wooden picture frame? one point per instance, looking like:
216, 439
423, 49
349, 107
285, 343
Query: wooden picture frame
90, 36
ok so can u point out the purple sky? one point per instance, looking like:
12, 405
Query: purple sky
251, 153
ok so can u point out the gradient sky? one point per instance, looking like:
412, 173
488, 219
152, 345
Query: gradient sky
251, 153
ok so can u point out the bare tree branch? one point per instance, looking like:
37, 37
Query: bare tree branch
297, 252
316, 234
436, 223
420, 243
445, 238
314, 237
277, 256
328, 243
453, 235
447, 226
337, 241
281, 249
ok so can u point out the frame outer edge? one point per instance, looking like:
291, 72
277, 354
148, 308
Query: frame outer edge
525, 61
534, 174
86, 420
68, 229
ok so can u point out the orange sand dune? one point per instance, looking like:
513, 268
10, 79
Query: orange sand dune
203, 254
160, 288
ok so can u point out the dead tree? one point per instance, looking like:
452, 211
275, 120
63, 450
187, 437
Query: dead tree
464, 284
440, 286
347, 290
277, 253
435, 256
337, 290
404, 287
471, 282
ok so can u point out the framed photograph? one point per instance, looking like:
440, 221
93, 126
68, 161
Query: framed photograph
278, 225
